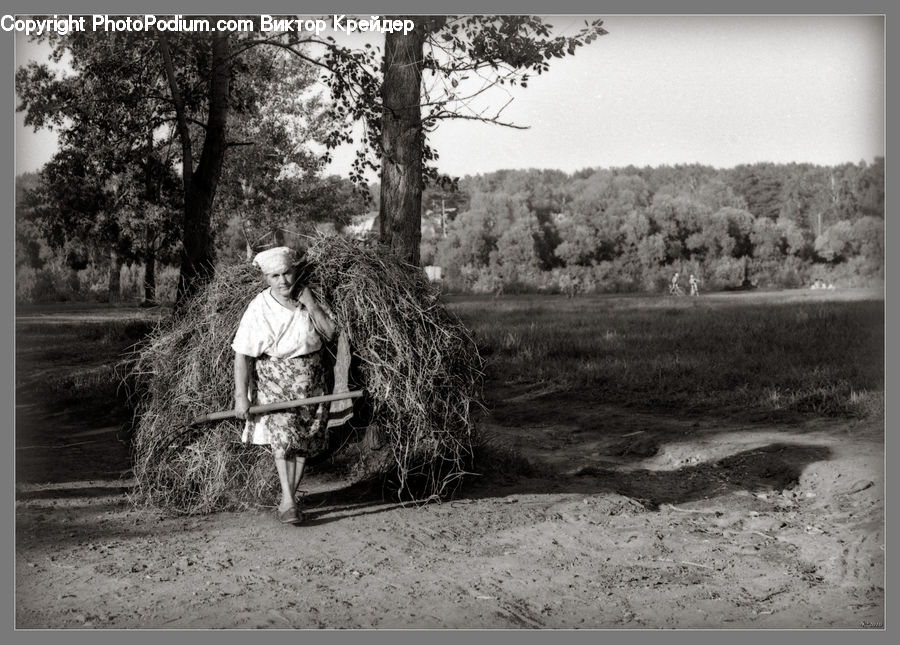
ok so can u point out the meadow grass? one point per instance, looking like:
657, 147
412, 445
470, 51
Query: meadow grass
77, 364
786, 352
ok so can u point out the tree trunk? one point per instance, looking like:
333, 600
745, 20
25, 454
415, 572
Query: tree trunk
149, 277
114, 281
197, 252
402, 140
152, 190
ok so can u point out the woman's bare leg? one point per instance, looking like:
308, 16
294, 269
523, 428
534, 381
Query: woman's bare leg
299, 467
286, 473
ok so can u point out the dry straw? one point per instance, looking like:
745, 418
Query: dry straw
419, 366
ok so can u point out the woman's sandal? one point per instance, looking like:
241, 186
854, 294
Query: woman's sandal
290, 516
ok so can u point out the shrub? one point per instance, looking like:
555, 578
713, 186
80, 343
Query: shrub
51, 283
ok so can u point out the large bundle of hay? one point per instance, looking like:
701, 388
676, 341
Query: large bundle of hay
419, 366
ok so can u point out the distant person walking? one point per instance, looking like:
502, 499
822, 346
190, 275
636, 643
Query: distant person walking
695, 289
674, 288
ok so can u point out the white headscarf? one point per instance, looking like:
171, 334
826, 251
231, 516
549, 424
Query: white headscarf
276, 260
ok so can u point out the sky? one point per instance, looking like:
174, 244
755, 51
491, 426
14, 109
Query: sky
666, 90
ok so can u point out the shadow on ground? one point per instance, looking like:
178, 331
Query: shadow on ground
772, 467
775, 467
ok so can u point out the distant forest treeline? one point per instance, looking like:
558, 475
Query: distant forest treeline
630, 229
592, 231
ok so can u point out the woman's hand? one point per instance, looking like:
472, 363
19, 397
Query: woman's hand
242, 406
306, 298
242, 369
320, 319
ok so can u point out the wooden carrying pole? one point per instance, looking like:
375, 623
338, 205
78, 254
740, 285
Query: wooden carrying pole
281, 405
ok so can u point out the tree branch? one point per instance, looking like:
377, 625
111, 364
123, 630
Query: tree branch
446, 114
184, 133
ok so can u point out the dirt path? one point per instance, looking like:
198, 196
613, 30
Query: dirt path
631, 520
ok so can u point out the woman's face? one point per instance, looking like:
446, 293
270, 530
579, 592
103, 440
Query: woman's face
281, 281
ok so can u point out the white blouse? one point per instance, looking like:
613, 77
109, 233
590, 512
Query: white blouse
268, 327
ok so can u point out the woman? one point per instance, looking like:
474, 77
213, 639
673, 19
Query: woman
277, 358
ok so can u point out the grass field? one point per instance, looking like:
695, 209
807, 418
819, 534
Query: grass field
760, 353
72, 359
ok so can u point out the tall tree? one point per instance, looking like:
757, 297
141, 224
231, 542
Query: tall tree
870, 188
197, 74
108, 114
399, 110
402, 140
76, 207
270, 182
200, 180
760, 185
179, 87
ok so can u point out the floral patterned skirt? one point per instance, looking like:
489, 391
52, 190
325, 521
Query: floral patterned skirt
298, 432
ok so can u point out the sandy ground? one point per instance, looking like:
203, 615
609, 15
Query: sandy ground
632, 520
